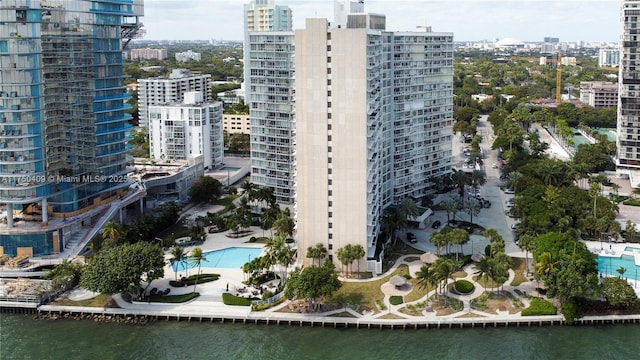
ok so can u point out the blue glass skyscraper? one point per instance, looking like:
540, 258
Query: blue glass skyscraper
63, 125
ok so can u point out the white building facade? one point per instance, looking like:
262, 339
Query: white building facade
182, 131
609, 57
599, 94
263, 15
373, 124
188, 55
163, 90
628, 130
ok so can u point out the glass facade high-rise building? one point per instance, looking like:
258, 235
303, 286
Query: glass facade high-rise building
64, 125
628, 142
268, 78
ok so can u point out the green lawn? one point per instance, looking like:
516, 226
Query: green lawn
366, 293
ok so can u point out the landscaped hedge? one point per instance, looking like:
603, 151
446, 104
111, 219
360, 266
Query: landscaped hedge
632, 202
463, 287
539, 307
396, 300
173, 299
191, 280
229, 299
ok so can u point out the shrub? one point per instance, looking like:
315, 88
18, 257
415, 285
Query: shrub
539, 307
233, 300
463, 287
191, 280
253, 239
173, 299
381, 305
407, 276
570, 311
632, 202
396, 300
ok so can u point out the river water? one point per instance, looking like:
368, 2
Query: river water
22, 337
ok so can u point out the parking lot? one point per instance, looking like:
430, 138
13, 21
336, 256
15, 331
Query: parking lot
489, 217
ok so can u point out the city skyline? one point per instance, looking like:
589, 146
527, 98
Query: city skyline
469, 20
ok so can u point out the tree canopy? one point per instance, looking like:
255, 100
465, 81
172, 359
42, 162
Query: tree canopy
205, 189
313, 283
123, 268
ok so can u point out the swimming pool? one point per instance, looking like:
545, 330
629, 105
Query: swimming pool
609, 265
228, 258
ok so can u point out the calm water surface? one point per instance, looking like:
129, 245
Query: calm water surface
21, 337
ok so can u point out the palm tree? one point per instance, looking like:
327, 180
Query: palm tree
443, 271
392, 221
527, 243
113, 230
460, 180
407, 209
425, 278
279, 253
177, 257
197, 257
621, 270
358, 253
512, 180
478, 178
451, 205
317, 252
249, 190
439, 239
459, 237
546, 264
284, 225
483, 268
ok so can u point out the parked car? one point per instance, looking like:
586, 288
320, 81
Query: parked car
514, 226
436, 224
509, 191
486, 204
412, 237
494, 165
509, 203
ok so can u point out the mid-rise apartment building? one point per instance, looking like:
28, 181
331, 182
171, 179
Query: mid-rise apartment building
63, 120
236, 123
629, 91
148, 54
171, 89
180, 131
373, 123
609, 57
599, 94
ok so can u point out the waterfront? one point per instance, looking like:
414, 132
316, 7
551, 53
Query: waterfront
21, 337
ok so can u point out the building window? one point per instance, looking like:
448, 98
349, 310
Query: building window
330, 245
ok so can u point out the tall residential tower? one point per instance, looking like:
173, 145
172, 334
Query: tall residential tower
629, 92
373, 124
63, 123
269, 92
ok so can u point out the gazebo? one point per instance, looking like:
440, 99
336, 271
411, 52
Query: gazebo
429, 257
397, 281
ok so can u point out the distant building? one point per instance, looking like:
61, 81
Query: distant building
166, 181
628, 160
180, 130
148, 54
236, 124
188, 55
568, 60
609, 57
262, 15
547, 48
552, 40
599, 94
163, 90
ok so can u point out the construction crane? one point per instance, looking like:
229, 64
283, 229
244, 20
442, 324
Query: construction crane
559, 78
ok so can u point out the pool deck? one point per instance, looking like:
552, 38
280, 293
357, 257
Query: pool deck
616, 250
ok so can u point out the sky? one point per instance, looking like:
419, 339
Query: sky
469, 20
